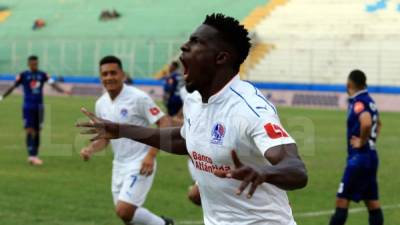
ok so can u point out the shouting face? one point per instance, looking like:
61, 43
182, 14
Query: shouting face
199, 58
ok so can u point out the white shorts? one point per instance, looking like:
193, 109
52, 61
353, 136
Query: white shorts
131, 187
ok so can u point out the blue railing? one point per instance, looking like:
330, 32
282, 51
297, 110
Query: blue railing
260, 85
379, 5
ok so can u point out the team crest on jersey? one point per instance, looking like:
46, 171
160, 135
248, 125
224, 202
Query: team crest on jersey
124, 112
217, 134
34, 84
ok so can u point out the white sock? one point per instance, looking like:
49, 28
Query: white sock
145, 217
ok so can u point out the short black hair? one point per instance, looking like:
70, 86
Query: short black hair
111, 59
358, 78
232, 32
33, 58
175, 63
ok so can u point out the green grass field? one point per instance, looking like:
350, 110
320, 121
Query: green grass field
68, 191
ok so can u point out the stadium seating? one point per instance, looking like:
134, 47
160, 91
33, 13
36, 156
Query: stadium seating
147, 35
4, 15
320, 41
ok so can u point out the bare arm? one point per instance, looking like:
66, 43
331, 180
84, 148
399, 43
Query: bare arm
162, 122
365, 127
365, 131
57, 87
93, 147
148, 162
288, 171
9, 90
166, 139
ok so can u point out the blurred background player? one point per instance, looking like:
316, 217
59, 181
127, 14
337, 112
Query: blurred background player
33, 81
172, 86
134, 163
359, 181
177, 121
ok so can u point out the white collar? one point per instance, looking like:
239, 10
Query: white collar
222, 92
121, 94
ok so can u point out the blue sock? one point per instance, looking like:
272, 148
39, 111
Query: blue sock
30, 145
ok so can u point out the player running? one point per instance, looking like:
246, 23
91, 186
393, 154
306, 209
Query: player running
359, 181
33, 81
232, 133
134, 163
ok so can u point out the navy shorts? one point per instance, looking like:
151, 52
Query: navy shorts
33, 117
174, 106
359, 181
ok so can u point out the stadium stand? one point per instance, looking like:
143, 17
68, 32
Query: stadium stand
146, 36
259, 48
4, 14
323, 47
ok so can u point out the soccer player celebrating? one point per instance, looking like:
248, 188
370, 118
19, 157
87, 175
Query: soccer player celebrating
134, 163
232, 134
359, 181
33, 81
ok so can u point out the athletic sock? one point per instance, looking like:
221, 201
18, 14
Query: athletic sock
30, 145
339, 217
36, 143
376, 217
145, 217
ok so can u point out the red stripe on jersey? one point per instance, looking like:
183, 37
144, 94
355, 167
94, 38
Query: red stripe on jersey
154, 111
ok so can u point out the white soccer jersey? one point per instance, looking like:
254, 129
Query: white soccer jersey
236, 118
132, 106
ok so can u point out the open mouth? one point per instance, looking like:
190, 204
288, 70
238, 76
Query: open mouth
185, 68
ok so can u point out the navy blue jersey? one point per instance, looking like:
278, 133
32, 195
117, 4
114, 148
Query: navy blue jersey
359, 180
172, 85
172, 97
32, 83
359, 103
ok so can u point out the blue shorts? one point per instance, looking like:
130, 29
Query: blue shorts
173, 106
359, 181
33, 117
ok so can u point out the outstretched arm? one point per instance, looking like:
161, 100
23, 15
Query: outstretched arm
166, 139
149, 160
8, 91
287, 171
59, 89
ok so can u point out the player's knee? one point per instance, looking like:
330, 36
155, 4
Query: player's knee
342, 203
125, 212
373, 205
30, 131
194, 195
